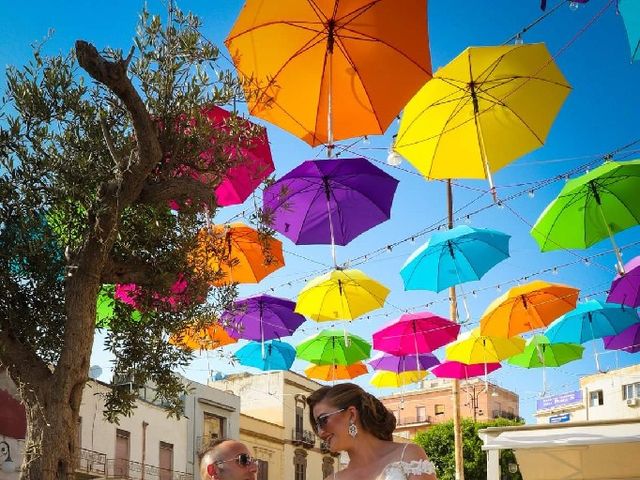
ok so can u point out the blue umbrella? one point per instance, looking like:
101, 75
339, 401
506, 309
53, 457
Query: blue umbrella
449, 258
277, 355
591, 320
630, 12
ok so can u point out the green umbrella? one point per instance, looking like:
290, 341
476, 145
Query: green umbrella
334, 347
592, 207
539, 352
105, 307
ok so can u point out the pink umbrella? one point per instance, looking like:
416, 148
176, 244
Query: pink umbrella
462, 371
251, 164
130, 294
415, 333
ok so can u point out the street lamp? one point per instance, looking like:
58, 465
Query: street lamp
8, 465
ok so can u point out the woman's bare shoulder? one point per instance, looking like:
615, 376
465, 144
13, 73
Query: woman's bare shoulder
414, 452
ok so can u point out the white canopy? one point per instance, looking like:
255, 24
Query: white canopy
586, 450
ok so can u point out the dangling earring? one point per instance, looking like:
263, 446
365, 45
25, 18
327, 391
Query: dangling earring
353, 430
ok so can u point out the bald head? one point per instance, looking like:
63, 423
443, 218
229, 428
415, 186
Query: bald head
218, 462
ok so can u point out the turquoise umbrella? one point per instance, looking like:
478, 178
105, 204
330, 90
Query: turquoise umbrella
277, 355
459, 255
630, 12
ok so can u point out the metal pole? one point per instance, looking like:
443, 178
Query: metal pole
455, 384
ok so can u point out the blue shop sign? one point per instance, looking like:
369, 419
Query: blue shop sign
565, 417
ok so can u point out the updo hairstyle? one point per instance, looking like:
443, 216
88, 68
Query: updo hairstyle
374, 416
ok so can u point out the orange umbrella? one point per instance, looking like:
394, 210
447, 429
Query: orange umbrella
336, 372
207, 338
331, 70
527, 307
236, 253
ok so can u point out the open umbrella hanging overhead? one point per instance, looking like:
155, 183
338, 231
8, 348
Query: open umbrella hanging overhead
236, 253
591, 208
627, 340
386, 379
342, 294
473, 347
330, 201
206, 338
403, 363
333, 347
326, 71
455, 256
463, 371
630, 13
331, 373
527, 307
277, 355
625, 288
484, 109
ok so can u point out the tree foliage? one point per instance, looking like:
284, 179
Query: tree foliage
438, 443
89, 159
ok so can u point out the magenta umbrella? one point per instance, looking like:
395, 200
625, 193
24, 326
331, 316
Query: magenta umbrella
625, 288
628, 340
463, 371
415, 333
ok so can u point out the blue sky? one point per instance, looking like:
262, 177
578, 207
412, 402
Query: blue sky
599, 116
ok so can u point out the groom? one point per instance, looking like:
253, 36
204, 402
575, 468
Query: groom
226, 459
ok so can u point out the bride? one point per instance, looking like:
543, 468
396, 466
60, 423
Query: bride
349, 419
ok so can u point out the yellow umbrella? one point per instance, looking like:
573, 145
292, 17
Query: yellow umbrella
484, 109
385, 378
527, 307
340, 295
336, 372
476, 348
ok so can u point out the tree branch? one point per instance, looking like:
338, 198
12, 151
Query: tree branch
179, 188
126, 272
21, 361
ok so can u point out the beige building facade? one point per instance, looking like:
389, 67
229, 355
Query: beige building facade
431, 403
611, 395
278, 400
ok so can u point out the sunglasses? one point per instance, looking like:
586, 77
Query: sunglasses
242, 459
321, 421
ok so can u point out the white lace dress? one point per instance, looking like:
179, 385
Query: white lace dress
401, 470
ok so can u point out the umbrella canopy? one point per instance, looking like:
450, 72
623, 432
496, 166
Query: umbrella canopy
106, 305
415, 333
330, 201
539, 352
208, 338
384, 379
527, 307
627, 340
340, 295
625, 288
455, 256
236, 253
485, 108
591, 320
262, 317
591, 207
277, 355
403, 363
336, 372
463, 371
630, 12
333, 347
315, 67
474, 347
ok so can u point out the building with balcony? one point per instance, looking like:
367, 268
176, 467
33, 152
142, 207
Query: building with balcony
285, 437
146, 445
431, 403
608, 395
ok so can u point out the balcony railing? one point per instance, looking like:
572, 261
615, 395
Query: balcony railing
306, 438
424, 419
91, 462
126, 469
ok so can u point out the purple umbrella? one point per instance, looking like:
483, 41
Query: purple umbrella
330, 202
627, 340
403, 363
625, 288
261, 318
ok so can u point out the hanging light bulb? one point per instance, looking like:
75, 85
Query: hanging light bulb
519, 40
554, 271
365, 140
532, 193
393, 158
573, 6
467, 219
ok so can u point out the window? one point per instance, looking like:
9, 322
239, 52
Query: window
631, 390
299, 421
213, 427
596, 398
421, 413
300, 464
439, 409
263, 470
166, 461
121, 464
